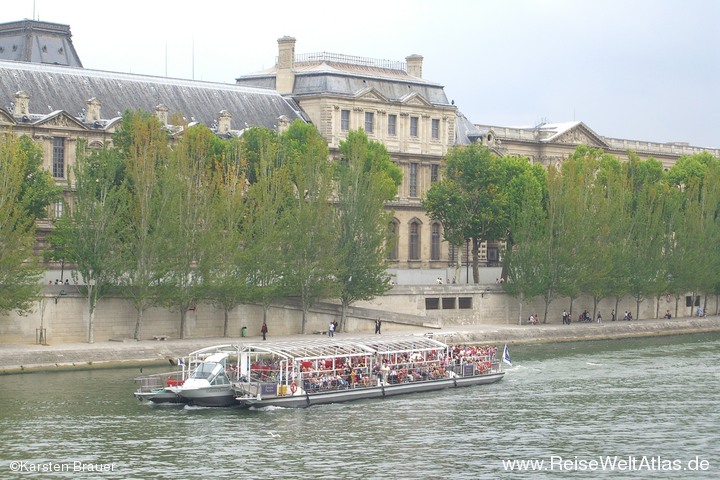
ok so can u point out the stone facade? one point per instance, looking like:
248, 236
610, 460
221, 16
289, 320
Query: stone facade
395, 106
551, 143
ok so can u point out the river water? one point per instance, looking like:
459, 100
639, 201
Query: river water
635, 408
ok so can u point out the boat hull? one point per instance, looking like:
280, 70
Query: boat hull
304, 399
209, 396
160, 396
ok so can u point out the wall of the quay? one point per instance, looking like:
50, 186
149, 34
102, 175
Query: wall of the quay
64, 318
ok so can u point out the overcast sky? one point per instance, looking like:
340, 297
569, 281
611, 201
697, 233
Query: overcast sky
640, 70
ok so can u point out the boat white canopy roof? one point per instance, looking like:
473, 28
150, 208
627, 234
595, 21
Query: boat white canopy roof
343, 347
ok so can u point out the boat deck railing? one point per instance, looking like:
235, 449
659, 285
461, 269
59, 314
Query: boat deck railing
315, 381
155, 381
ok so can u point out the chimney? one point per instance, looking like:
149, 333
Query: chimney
92, 113
414, 65
22, 104
224, 121
161, 112
283, 123
285, 79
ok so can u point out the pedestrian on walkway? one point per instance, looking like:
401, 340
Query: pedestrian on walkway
264, 330
331, 329
378, 323
599, 318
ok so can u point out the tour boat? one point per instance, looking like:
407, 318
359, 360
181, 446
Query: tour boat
331, 370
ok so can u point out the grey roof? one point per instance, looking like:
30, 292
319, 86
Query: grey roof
53, 88
465, 131
312, 78
38, 42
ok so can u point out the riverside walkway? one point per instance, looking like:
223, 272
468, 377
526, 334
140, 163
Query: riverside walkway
19, 358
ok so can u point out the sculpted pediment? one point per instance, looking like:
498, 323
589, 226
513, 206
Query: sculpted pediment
371, 94
60, 119
581, 135
415, 99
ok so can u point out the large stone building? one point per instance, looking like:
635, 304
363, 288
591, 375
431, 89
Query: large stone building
413, 118
55, 101
550, 143
395, 106
46, 93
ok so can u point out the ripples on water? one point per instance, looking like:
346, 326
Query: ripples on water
649, 397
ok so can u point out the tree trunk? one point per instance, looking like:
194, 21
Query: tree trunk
266, 308
304, 319
183, 316
91, 326
138, 323
343, 317
91, 313
521, 309
475, 254
227, 322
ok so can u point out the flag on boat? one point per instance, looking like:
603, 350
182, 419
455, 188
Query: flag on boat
506, 355
180, 361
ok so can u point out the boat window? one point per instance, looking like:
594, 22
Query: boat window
220, 379
204, 370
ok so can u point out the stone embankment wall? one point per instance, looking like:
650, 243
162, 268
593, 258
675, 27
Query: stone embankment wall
64, 317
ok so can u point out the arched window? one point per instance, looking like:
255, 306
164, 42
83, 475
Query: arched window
392, 251
435, 242
414, 240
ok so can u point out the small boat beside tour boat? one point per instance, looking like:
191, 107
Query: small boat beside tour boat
314, 372
204, 379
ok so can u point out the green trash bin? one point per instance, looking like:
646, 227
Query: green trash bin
243, 332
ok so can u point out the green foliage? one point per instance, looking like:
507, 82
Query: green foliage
309, 224
142, 144
260, 150
477, 196
365, 180
19, 272
38, 189
89, 235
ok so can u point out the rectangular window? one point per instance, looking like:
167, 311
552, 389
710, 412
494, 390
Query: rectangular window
413, 179
392, 124
435, 129
434, 173
465, 302
58, 209
432, 303
414, 126
344, 120
58, 158
369, 122
448, 303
